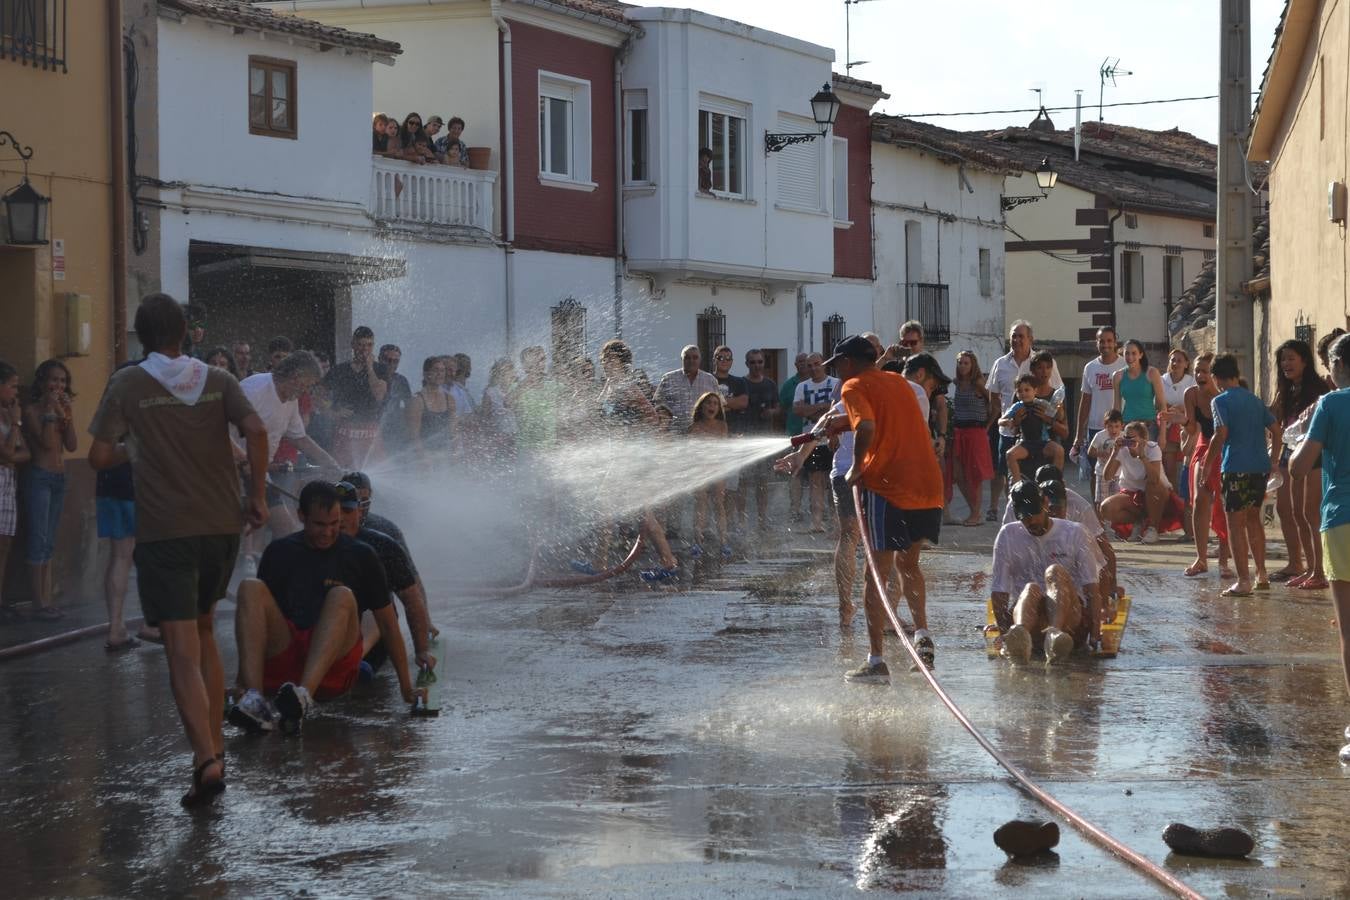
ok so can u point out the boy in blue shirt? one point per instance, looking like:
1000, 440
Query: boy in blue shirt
1241, 425
1328, 445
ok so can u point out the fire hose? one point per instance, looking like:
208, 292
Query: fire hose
1088, 830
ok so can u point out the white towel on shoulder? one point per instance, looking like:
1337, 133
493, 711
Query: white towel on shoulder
182, 376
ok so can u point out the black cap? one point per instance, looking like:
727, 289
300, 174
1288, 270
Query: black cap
1054, 492
1026, 499
928, 363
1048, 473
347, 497
358, 480
853, 347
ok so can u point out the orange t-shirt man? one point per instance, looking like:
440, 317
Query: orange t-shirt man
900, 464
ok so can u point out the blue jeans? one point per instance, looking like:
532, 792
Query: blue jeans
45, 496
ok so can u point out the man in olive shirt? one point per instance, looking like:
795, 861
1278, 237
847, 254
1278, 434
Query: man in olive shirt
356, 391
175, 412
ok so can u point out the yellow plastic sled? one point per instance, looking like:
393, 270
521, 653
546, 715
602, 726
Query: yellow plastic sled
1112, 631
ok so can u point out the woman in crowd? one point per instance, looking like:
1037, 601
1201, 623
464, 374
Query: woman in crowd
972, 464
1139, 389
393, 141
13, 452
1176, 381
1323, 352
1299, 499
49, 426
221, 358
431, 415
1146, 502
1206, 500
709, 420
498, 419
408, 135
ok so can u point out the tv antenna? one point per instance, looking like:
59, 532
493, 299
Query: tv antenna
1108, 72
849, 61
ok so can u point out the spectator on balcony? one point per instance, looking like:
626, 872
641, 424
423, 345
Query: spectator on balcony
409, 133
705, 175
421, 151
432, 128
393, 141
379, 127
451, 146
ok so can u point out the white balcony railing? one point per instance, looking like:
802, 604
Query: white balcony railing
431, 194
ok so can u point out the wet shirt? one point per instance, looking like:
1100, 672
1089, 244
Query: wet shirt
900, 464
183, 469
394, 421
377, 522
1134, 469
300, 576
280, 419
398, 567
1021, 558
1246, 418
350, 388
1330, 426
1079, 510
763, 396
734, 386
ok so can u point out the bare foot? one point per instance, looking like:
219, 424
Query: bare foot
1199, 567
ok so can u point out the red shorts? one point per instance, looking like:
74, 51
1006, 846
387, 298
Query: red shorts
289, 665
1171, 515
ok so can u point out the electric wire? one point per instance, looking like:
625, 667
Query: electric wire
1090, 831
996, 112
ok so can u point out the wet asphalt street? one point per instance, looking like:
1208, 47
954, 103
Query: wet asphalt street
624, 742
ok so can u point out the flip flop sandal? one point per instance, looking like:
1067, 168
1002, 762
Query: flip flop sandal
128, 644
1282, 576
204, 792
1233, 592
1314, 584
1261, 586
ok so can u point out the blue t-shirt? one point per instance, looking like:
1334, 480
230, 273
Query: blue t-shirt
1330, 427
1246, 418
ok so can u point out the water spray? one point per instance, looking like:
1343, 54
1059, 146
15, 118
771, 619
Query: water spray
1086, 828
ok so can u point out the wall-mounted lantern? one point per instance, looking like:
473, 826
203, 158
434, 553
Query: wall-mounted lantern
1046, 179
824, 110
25, 208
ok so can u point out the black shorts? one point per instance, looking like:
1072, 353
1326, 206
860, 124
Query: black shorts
1243, 490
1005, 443
892, 528
843, 499
820, 460
182, 578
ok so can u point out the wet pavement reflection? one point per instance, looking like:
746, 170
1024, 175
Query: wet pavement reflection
610, 742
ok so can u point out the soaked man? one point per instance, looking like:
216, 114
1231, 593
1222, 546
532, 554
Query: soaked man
1048, 564
356, 391
902, 489
298, 624
1066, 503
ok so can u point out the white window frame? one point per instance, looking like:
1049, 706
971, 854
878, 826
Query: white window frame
986, 272
730, 109
576, 92
636, 100
839, 182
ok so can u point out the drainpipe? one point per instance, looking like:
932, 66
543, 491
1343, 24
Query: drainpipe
117, 114
1111, 248
620, 253
508, 107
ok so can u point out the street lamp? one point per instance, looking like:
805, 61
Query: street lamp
1046, 179
25, 208
824, 109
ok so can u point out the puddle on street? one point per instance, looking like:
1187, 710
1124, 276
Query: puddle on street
634, 742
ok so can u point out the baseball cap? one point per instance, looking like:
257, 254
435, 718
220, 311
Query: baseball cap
853, 347
928, 363
1053, 492
347, 497
1048, 473
1026, 498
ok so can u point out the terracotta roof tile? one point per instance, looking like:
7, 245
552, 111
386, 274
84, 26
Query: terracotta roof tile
967, 146
858, 84
237, 12
606, 9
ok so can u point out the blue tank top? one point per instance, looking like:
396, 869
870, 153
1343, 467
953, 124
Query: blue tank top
1136, 395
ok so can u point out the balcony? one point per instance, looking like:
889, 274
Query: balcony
407, 193
928, 304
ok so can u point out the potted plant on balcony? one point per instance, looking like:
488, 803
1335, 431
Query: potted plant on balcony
480, 157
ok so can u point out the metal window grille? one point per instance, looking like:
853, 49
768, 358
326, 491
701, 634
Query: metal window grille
1305, 330
712, 333
34, 33
831, 333
568, 332
929, 305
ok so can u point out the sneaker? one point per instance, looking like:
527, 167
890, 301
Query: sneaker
874, 672
365, 673
655, 576
1150, 536
252, 713
1222, 842
927, 652
1022, 838
582, 567
1058, 645
293, 703
1017, 644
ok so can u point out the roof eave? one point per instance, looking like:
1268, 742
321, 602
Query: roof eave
384, 53
1281, 75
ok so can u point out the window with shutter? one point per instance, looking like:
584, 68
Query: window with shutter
799, 167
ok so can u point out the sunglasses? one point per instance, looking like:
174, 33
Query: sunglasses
722, 358
754, 362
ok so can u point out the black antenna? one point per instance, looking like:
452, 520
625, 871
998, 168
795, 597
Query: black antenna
1108, 72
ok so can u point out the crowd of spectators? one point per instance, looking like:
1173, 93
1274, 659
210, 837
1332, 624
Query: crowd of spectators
419, 142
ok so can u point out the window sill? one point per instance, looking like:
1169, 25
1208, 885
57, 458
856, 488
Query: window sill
640, 188
841, 224
722, 198
803, 210
567, 184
